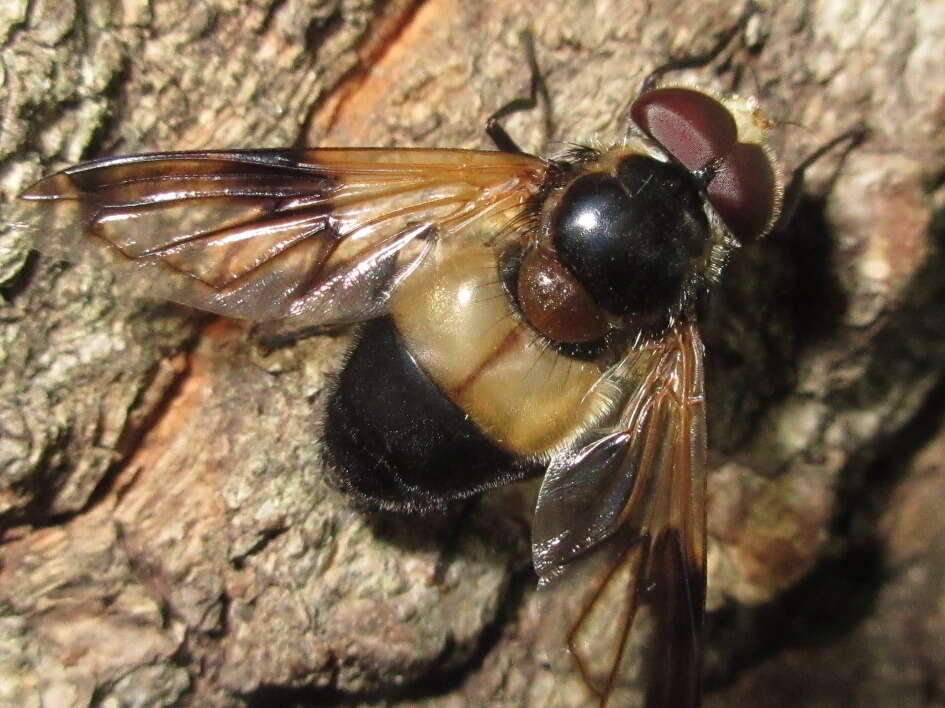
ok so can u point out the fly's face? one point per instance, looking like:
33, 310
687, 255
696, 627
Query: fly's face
631, 234
522, 316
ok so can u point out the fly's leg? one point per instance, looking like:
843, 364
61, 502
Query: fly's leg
694, 61
794, 191
538, 90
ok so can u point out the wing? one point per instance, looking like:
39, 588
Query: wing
619, 541
307, 237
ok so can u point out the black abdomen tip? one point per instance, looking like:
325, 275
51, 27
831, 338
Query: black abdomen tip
397, 440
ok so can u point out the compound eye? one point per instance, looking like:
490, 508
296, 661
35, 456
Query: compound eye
744, 191
692, 126
697, 129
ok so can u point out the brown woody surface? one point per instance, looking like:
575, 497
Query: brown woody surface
168, 535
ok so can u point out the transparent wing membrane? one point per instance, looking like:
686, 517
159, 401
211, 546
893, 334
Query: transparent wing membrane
316, 236
619, 541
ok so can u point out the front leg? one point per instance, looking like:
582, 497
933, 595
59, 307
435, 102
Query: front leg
494, 128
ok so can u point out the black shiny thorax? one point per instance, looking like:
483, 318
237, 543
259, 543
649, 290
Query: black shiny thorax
634, 235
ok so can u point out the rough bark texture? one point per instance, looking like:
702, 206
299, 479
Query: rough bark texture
168, 535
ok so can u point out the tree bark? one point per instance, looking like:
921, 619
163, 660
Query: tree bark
168, 532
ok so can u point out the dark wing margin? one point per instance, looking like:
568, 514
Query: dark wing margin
307, 237
619, 541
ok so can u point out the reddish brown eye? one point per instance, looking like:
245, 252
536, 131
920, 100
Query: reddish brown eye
696, 129
743, 191
692, 126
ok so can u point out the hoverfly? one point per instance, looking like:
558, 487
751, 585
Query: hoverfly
520, 315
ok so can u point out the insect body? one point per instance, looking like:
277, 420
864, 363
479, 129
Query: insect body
522, 315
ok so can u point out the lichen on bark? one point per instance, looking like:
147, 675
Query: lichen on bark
168, 535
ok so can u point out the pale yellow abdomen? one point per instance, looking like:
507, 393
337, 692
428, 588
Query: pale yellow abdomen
456, 319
